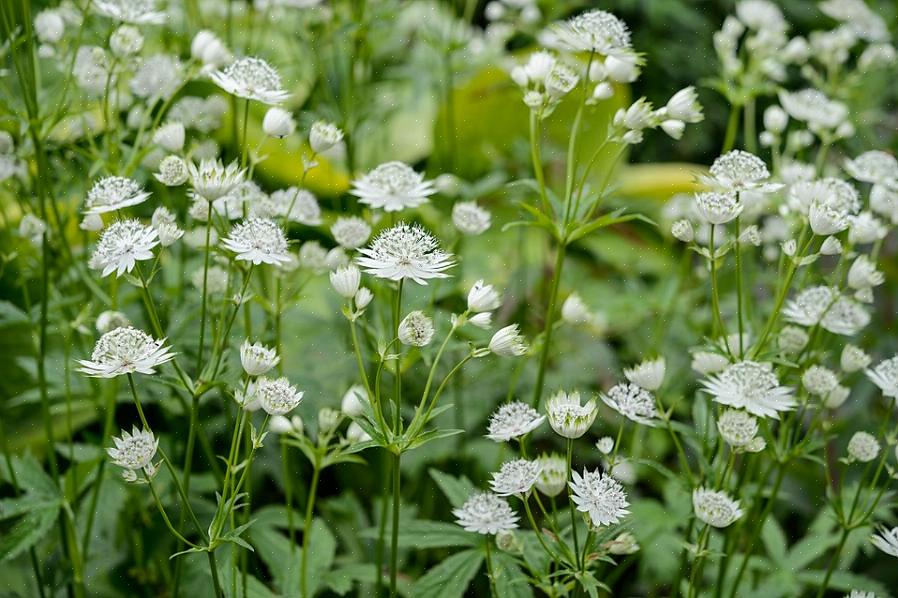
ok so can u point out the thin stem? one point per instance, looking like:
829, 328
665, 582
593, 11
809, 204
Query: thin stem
394, 540
199, 349
165, 518
718, 327
729, 139
737, 251
833, 561
537, 161
307, 527
489, 567
288, 493
570, 503
549, 325
245, 148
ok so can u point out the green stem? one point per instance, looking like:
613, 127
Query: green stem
394, 540
549, 325
718, 327
833, 561
570, 502
737, 251
288, 493
729, 139
489, 567
307, 528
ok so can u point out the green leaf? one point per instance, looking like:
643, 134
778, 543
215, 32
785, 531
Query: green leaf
27, 532
774, 540
272, 546
510, 580
457, 490
422, 534
450, 578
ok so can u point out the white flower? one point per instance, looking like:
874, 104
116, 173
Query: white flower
211, 180
594, 31
125, 41
792, 339
605, 445
508, 342
775, 119
622, 68
483, 297
32, 228
110, 320
92, 223
887, 541
170, 136
813, 107
826, 220
738, 171
405, 251
837, 397
346, 281
752, 386
257, 359
486, 513
158, 76
575, 311
853, 359
884, 201
49, 26
323, 136
684, 106
278, 123
482, 320
354, 401
866, 228
210, 50
416, 329
275, 397
258, 240
351, 232
172, 171
635, 118
631, 401
297, 205
355, 434
216, 279
125, 350
737, 428
682, 231
823, 305
599, 495
819, 380
168, 233
469, 218
113, 193
515, 477
863, 274
392, 186
135, 451
251, 78
761, 15
863, 447
513, 420
858, 17
715, 508
649, 374
873, 167
363, 298
278, 424
846, 317
885, 376
136, 12
567, 416
328, 420
718, 208
122, 245
552, 478
705, 362
831, 246
673, 128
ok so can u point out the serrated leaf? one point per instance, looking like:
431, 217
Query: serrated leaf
423, 533
451, 578
456, 489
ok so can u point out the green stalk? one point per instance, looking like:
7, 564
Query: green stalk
729, 139
549, 325
394, 541
288, 493
570, 503
737, 250
489, 567
307, 528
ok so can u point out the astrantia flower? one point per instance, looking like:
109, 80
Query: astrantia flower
839, 195
752, 386
594, 31
705, 362
393, 186
258, 240
718, 208
649, 374
684, 106
866, 228
873, 167
552, 478
508, 342
211, 180
761, 15
826, 220
858, 17
515, 477
633, 402
157, 76
134, 451
172, 171
257, 359
853, 358
125, 350
354, 401
351, 232
470, 219
863, 447
813, 107
863, 274
137, 12
486, 513
741, 171
297, 205
346, 281
575, 311
737, 428
885, 376
819, 380
276, 397
846, 317
513, 420
114, 193
323, 136
887, 541
483, 297
567, 416
122, 245
110, 320
251, 78
715, 508
599, 495
792, 339
405, 251
416, 329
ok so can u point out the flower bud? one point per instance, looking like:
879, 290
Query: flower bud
323, 136
278, 123
170, 136
346, 281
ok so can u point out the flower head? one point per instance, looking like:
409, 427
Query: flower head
513, 420
323, 136
599, 495
125, 350
258, 240
715, 508
752, 386
483, 297
819, 380
885, 376
346, 280
508, 342
486, 513
873, 167
648, 375
595, 31
257, 359
134, 451
633, 402
405, 251
737, 428
863, 447
416, 329
718, 208
470, 219
251, 78
122, 245
887, 541
813, 107
114, 193
741, 171
552, 478
393, 186
351, 232
567, 416
136, 12
211, 180
275, 397
515, 477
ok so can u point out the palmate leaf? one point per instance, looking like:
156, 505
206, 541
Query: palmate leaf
38, 508
272, 546
615, 217
421, 534
510, 579
27, 532
451, 577
457, 490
